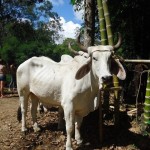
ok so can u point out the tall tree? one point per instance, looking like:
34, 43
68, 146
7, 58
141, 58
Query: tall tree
89, 7
89, 22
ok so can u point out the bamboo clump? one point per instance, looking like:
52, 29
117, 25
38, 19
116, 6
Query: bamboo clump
111, 42
147, 102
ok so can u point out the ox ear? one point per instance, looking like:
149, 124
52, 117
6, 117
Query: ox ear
118, 69
83, 70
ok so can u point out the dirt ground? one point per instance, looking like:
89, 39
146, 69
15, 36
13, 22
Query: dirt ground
126, 137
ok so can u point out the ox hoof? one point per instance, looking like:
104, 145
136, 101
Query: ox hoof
23, 133
36, 129
24, 130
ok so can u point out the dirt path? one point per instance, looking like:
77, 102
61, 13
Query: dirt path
9, 126
128, 136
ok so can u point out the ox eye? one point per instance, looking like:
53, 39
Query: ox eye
94, 58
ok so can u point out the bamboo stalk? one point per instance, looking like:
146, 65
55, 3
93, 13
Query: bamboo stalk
147, 102
102, 23
111, 42
108, 22
110, 38
103, 42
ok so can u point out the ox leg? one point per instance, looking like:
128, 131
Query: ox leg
78, 121
34, 106
69, 118
24, 105
61, 121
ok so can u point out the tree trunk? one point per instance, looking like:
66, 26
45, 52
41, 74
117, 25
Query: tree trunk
89, 19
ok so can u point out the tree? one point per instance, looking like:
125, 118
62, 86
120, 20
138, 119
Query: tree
23, 34
89, 19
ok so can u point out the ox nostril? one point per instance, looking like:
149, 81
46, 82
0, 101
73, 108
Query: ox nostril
107, 78
103, 78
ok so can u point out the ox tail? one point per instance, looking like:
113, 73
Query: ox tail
19, 115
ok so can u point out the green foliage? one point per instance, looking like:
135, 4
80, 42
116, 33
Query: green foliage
23, 45
20, 38
8, 51
36, 36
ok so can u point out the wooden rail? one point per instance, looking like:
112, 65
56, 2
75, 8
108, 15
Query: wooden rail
137, 60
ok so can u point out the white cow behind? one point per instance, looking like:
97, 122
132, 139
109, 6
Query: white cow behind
66, 58
73, 86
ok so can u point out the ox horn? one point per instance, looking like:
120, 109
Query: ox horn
83, 48
119, 41
72, 50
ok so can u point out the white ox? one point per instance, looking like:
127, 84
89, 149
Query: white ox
73, 86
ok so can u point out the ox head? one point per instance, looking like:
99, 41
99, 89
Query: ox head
102, 64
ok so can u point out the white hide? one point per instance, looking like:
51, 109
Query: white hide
73, 86
66, 58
